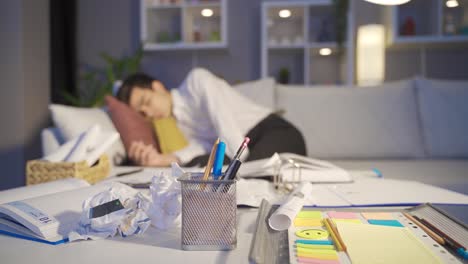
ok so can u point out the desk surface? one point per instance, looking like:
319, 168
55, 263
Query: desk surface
153, 246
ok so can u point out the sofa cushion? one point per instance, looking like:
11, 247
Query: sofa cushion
72, 121
444, 115
131, 125
355, 122
263, 91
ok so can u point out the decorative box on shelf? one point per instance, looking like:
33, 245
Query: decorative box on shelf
39, 171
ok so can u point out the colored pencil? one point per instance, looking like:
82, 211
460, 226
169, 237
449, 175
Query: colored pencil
209, 165
334, 234
448, 240
433, 235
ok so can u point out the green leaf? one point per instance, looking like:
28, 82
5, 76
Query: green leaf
95, 84
108, 58
71, 99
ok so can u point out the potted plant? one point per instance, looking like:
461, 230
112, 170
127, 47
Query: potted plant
95, 84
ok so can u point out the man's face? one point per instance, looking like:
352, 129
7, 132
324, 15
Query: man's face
150, 103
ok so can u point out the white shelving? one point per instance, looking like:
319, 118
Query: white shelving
429, 21
293, 33
180, 24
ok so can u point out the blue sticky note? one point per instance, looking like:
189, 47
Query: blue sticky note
385, 223
314, 242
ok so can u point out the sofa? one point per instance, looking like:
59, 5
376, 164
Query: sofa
413, 129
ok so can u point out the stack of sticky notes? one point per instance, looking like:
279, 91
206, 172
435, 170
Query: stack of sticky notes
381, 218
312, 242
344, 217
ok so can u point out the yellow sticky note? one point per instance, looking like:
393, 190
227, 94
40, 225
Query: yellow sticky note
309, 214
299, 222
312, 246
354, 221
378, 216
317, 251
369, 244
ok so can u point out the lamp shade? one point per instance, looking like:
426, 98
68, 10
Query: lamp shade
370, 55
388, 2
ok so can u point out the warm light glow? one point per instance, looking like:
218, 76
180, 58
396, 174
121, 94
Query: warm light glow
451, 3
388, 2
284, 13
207, 12
370, 55
325, 51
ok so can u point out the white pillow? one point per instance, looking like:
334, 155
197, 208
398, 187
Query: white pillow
444, 115
355, 122
71, 121
261, 91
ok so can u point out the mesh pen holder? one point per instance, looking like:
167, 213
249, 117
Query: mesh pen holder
208, 213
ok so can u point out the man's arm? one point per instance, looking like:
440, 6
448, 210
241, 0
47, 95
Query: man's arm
147, 155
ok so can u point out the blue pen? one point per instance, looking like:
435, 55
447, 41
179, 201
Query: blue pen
219, 159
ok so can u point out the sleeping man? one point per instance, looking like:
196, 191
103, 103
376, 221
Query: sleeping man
205, 108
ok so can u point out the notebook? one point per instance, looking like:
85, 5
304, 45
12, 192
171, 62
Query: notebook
362, 231
45, 212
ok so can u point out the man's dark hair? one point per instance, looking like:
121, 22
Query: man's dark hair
141, 80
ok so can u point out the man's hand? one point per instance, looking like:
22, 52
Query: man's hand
147, 155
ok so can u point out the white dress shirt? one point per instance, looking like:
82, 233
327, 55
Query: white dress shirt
207, 107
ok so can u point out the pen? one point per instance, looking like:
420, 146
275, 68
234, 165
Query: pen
233, 167
242, 148
219, 158
129, 172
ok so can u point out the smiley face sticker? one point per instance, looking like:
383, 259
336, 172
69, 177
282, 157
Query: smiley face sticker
312, 234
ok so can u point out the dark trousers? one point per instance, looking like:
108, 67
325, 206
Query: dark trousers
272, 134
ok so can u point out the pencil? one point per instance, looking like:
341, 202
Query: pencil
334, 234
209, 165
432, 234
447, 239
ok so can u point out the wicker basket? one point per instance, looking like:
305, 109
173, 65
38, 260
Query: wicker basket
38, 171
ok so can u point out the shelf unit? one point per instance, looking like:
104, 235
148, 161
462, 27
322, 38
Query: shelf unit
295, 43
429, 21
179, 24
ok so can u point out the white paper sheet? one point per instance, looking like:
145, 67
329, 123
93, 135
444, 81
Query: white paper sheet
283, 217
26, 192
398, 192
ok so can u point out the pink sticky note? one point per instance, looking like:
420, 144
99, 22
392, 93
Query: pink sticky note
317, 261
343, 215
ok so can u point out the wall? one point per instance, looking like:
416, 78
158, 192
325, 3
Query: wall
25, 90
445, 61
116, 31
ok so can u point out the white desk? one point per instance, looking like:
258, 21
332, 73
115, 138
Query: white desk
151, 247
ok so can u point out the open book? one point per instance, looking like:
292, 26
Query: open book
45, 212
361, 193
293, 168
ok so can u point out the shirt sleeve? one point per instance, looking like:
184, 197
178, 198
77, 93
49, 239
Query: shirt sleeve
216, 94
191, 151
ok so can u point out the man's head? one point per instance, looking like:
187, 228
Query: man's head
146, 95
